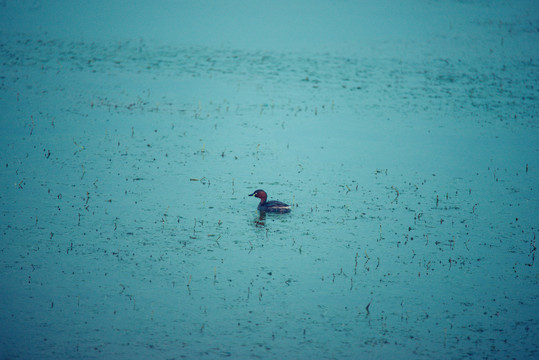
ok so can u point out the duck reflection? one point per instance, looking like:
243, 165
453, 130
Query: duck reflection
260, 220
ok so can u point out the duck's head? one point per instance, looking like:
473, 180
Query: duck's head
261, 194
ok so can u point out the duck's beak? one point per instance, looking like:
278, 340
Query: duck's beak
252, 194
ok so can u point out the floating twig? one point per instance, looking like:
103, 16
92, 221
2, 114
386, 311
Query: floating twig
201, 180
368, 306
368, 258
79, 146
397, 197
33, 125
189, 283
533, 248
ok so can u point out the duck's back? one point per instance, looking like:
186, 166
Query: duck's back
274, 206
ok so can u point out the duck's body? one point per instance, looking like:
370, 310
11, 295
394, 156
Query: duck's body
270, 206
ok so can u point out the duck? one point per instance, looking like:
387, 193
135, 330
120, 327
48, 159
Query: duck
269, 206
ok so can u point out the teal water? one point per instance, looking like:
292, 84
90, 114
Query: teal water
410, 164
